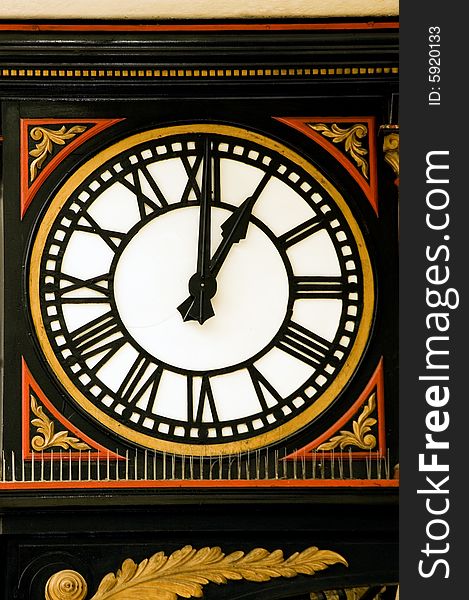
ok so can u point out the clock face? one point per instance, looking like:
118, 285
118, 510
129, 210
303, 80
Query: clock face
201, 289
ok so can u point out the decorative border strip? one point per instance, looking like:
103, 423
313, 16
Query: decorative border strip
198, 484
161, 27
194, 73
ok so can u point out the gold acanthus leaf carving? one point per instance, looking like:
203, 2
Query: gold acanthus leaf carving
352, 137
391, 151
185, 571
45, 139
48, 437
360, 435
350, 594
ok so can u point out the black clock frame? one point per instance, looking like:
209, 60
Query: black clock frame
75, 342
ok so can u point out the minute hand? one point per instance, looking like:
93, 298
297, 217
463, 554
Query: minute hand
202, 286
235, 228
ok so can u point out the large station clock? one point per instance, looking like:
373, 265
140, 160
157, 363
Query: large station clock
198, 379
200, 289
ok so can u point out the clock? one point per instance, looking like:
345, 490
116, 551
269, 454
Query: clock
199, 309
200, 289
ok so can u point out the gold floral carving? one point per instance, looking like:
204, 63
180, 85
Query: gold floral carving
186, 571
66, 585
350, 594
356, 593
352, 137
391, 151
47, 436
360, 435
45, 139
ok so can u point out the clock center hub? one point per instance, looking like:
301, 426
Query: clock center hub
207, 283
154, 273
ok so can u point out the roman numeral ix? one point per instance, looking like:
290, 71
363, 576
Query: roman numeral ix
111, 238
81, 291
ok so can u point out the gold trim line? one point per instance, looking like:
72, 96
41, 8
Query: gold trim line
195, 72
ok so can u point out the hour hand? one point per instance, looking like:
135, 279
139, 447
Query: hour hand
203, 285
236, 226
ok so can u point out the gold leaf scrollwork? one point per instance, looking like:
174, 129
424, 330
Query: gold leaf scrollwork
66, 585
47, 437
360, 435
391, 151
45, 139
325, 595
346, 593
356, 593
186, 571
352, 137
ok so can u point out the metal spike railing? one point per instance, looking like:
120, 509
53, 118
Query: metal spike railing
145, 465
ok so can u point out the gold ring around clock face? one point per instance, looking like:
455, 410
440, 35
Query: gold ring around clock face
201, 289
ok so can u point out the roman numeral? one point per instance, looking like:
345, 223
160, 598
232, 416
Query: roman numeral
191, 185
303, 344
102, 334
146, 205
216, 178
301, 232
82, 291
258, 380
319, 287
140, 377
205, 399
112, 238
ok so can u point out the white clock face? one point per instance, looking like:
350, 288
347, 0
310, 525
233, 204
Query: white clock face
201, 289
252, 279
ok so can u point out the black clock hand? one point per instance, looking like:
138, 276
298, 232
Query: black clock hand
202, 286
203, 251
234, 229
